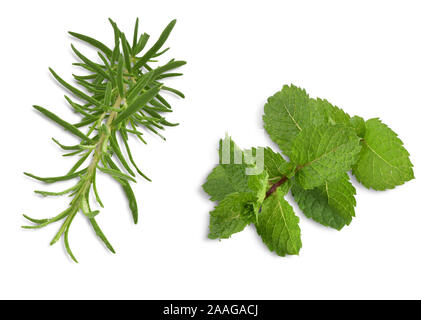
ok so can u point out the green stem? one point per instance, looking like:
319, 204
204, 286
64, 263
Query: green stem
99, 150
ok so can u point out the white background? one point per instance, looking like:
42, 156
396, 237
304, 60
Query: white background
364, 56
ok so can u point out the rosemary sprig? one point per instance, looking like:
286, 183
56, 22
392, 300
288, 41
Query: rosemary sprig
119, 97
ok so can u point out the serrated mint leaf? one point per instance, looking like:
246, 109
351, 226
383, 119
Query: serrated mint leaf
223, 181
231, 215
324, 153
278, 226
275, 164
333, 114
286, 114
331, 204
322, 143
277, 168
229, 177
384, 162
358, 124
259, 184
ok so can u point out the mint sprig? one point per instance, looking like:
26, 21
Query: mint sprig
323, 143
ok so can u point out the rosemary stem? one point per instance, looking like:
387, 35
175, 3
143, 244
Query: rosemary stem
99, 150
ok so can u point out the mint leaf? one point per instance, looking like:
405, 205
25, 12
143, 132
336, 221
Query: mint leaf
231, 215
331, 204
358, 124
278, 226
277, 168
224, 180
286, 114
259, 184
324, 153
333, 114
227, 179
384, 162
323, 143
275, 164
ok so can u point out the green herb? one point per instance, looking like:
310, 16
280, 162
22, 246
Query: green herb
116, 98
322, 143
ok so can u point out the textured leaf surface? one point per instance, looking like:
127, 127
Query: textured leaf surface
231, 215
324, 153
331, 204
286, 114
384, 162
229, 178
275, 164
278, 226
358, 124
277, 168
332, 114
259, 184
